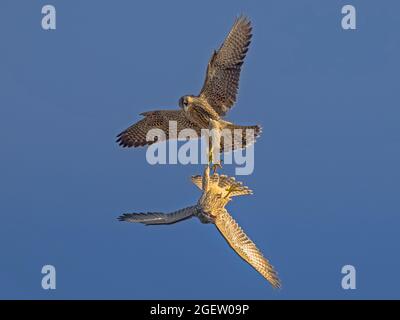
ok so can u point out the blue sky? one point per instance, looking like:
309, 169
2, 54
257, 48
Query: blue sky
326, 179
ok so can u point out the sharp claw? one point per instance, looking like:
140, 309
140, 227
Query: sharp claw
231, 189
215, 166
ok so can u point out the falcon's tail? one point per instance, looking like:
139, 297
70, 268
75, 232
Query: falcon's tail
224, 182
239, 137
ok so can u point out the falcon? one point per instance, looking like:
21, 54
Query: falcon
217, 192
216, 98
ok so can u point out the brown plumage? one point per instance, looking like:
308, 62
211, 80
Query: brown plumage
217, 96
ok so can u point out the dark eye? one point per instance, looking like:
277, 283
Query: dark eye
185, 103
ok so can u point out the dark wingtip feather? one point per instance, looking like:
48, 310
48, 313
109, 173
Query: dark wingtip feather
122, 217
126, 142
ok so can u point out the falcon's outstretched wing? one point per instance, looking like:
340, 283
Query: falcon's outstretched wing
151, 218
135, 135
223, 70
244, 247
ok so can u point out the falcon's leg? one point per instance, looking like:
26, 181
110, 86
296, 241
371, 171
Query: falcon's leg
210, 154
211, 158
231, 189
206, 178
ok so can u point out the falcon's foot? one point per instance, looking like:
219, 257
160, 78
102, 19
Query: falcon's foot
215, 166
211, 163
231, 189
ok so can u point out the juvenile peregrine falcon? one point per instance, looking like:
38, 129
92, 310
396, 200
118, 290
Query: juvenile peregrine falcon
218, 191
215, 99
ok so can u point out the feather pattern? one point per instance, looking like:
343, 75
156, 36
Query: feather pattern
151, 218
223, 72
244, 247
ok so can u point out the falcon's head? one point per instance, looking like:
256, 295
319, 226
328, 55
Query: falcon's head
185, 102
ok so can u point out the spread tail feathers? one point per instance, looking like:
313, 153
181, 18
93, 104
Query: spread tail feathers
238, 137
224, 182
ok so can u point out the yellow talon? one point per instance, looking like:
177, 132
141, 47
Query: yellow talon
215, 166
231, 189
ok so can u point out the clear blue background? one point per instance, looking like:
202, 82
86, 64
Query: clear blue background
326, 177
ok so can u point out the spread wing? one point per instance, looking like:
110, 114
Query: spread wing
224, 182
151, 218
244, 247
223, 71
136, 134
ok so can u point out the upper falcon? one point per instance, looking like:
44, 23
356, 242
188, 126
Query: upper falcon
217, 96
